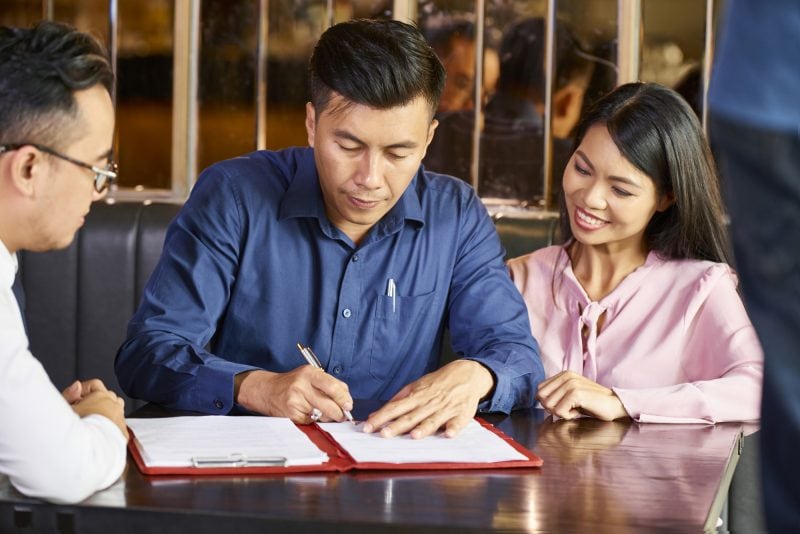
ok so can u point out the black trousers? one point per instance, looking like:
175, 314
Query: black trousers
761, 173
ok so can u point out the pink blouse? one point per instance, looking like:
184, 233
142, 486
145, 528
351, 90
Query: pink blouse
676, 344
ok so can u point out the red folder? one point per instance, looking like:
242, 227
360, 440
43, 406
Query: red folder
338, 459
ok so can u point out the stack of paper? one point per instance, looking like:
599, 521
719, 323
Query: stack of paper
178, 441
475, 444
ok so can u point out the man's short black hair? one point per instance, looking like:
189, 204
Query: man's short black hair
377, 63
40, 70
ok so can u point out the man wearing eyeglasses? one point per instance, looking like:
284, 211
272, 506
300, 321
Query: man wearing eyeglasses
56, 130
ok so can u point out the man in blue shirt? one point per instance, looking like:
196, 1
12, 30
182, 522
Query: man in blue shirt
348, 246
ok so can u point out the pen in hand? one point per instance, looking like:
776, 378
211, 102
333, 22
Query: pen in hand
313, 361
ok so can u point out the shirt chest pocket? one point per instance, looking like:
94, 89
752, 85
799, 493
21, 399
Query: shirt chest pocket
402, 325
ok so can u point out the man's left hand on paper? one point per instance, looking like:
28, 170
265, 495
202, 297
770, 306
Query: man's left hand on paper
447, 398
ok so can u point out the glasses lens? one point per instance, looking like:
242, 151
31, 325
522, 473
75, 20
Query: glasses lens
100, 182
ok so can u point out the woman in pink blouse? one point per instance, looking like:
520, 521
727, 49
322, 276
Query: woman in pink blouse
637, 314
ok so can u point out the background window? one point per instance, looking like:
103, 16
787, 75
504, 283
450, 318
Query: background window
203, 81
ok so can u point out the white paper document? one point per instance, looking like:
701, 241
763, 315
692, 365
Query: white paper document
178, 441
475, 444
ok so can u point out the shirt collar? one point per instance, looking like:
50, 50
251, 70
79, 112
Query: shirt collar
303, 198
8, 266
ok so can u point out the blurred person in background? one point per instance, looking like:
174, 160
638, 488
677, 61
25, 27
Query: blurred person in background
512, 146
454, 44
754, 108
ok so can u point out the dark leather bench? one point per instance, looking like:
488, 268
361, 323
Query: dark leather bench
78, 301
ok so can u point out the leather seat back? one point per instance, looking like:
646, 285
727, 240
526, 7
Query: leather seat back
78, 301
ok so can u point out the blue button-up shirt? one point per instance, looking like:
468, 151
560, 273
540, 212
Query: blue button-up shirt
251, 266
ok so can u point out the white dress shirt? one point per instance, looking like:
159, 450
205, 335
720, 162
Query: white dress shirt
46, 449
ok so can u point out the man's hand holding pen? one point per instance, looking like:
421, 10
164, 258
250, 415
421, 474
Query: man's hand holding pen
313, 361
294, 394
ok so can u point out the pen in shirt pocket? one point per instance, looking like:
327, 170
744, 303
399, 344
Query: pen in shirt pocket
391, 291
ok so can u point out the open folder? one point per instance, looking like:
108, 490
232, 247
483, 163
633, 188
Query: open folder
214, 445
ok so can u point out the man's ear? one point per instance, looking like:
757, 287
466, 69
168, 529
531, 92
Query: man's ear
567, 103
311, 123
431, 130
22, 167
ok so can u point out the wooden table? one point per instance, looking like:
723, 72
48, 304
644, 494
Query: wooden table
597, 477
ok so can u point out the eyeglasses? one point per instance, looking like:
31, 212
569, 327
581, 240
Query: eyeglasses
102, 177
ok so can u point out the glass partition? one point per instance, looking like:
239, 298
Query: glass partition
520, 73
293, 31
450, 28
672, 50
86, 15
226, 80
20, 12
511, 114
144, 94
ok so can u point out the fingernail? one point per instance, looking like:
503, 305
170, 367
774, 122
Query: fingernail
386, 433
367, 428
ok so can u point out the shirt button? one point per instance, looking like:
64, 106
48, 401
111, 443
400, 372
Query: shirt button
218, 404
337, 370
355, 257
347, 313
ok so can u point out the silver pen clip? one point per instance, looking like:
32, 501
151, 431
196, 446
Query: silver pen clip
238, 460
391, 291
